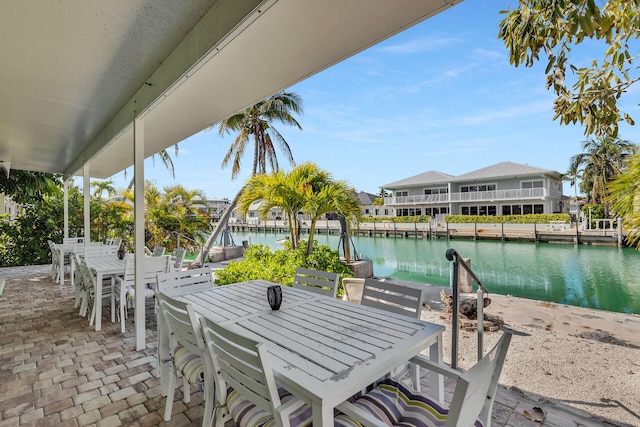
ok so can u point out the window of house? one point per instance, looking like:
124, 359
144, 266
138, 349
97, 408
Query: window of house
442, 190
527, 209
366, 211
538, 209
492, 210
465, 210
506, 210
516, 210
483, 187
386, 212
532, 184
402, 193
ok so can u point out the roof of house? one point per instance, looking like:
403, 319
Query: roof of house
498, 170
504, 169
366, 198
430, 177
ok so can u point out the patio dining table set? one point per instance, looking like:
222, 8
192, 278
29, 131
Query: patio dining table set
109, 275
297, 354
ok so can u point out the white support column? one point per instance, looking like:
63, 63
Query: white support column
138, 210
66, 209
86, 191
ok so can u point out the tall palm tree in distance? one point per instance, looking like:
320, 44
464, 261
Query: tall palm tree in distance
256, 121
602, 159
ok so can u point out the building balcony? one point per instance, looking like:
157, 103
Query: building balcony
473, 196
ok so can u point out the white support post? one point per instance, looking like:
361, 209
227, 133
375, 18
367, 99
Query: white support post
66, 209
138, 209
86, 191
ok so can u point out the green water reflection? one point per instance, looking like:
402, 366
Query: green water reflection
600, 277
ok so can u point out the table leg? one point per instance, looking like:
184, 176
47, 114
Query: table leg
61, 260
436, 381
113, 299
322, 415
98, 301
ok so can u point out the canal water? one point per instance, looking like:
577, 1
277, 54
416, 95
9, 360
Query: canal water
601, 277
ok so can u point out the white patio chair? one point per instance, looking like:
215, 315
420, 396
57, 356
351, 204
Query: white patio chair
73, 240
177, 258
99, 249
245, 385
391, 402
88, 293
158, 251
126, 284
317, 281
185, 281
187, 349
55, 261
398, 299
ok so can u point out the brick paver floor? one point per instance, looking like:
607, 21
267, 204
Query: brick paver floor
55, 370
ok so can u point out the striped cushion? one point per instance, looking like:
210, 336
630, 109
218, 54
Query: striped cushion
245, 413
396, 405
190, 365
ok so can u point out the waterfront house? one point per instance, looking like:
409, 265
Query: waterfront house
502, 189
368, 207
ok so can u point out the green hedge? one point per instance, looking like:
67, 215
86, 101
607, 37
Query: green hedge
508, 219
484, 219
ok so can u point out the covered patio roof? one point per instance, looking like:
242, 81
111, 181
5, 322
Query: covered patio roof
74, 74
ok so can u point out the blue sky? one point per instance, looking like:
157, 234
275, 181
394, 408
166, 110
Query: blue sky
439, 96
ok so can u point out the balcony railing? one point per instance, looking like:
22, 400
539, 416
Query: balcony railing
472, 196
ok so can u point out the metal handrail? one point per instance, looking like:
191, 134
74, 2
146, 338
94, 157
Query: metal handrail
457, 260
179, 235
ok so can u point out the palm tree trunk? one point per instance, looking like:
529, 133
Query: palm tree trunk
222, 224
312, 228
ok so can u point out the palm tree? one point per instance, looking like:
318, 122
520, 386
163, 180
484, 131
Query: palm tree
574, 175
624, 196
102, 186
256, 120
602, 158
307, 189
334, 196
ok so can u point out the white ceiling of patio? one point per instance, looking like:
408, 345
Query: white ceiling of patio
73, 73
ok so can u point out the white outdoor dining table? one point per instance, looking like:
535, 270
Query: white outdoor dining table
105, 265
324, 350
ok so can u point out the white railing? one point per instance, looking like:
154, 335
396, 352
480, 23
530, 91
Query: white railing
472, 196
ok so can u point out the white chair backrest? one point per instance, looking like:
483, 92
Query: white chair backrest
182, 326
158, 250
88, 278
243, 364
177, 258
392, 297
99, 249
73, 240
476, 389
317, 281
152, 267
185, 281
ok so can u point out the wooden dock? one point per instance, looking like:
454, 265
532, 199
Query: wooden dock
548, 233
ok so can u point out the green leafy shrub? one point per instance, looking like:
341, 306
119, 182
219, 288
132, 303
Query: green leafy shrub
280, 266
507, 219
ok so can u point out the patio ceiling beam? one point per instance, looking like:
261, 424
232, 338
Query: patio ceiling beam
218, 26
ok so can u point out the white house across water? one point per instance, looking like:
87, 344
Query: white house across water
502, 189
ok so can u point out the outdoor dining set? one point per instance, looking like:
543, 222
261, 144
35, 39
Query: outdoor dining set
296, 355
